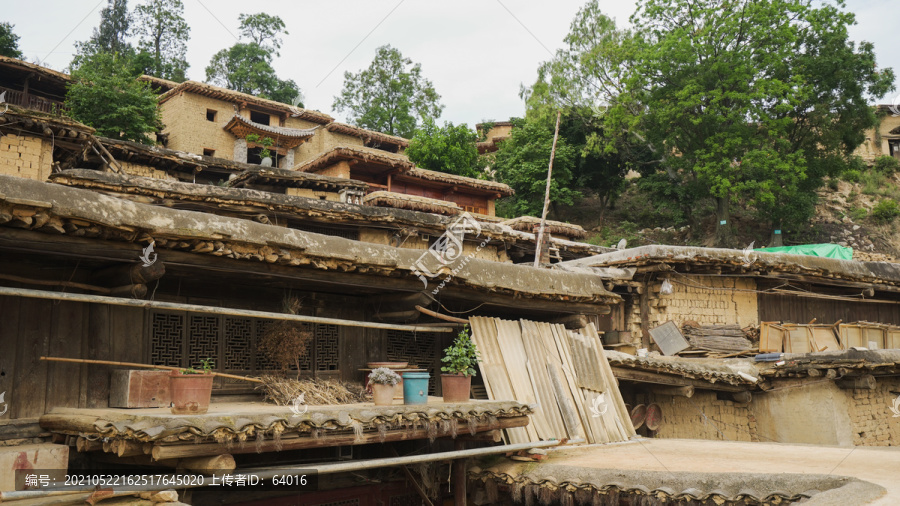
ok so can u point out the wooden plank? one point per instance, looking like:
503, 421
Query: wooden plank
564, 394
30, 384
622, 415
560, 337
509, 337
824, 339
126, 333
540, 379
98, 349
602, 425
497, 382
9, 333
66, 335
873, 334
771, 338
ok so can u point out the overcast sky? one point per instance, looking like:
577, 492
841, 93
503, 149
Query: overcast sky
477, 53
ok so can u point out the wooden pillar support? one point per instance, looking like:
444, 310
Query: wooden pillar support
459, 477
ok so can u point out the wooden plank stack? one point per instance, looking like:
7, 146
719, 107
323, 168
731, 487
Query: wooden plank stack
564, 372
717, 338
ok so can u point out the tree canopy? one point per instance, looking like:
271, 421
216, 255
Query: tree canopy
522, 162
247, 66
390, 96
446, 149
750, 101
9, 41
104, 94
163, 34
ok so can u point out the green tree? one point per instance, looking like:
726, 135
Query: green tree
104, 94
9, 41
247, 66
522, 162
390, 96
111, 36
263, 30
447, 149
163, 34
759, 99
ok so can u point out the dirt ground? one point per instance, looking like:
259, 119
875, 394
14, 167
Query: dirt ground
880, 466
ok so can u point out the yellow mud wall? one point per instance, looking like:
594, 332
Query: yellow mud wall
185, 121
707, 300
25, 156
314, 194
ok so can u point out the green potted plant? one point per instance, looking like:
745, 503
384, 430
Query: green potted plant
384, 381
460, 360
265, 154
192, 389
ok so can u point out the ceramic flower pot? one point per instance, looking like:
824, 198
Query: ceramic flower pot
190, 393
456, 387
383, 395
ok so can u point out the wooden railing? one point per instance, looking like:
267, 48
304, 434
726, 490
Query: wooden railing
29, 101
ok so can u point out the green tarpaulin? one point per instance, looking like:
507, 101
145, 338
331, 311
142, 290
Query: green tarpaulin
815, 250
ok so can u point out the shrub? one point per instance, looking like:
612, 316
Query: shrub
858, 213
852, 176
833, 184
886, 164
886, 211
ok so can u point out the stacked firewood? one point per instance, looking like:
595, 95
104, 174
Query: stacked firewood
721, 339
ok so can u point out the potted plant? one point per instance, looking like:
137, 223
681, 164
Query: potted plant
460, 359
192, 389
264, 154
383, 381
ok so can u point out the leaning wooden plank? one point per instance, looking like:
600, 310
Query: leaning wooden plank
558, 333
540, 380
509, 337
623, 417
598, 426
484, 334
564, 399
600, 406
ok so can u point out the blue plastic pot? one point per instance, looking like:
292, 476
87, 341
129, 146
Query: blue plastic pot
415, 387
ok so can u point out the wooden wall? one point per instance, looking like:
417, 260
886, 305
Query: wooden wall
32, 328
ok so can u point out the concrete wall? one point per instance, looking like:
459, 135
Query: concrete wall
704, 299
25, 156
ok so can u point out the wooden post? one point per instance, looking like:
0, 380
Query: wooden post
459, 477
540, 236
865, 382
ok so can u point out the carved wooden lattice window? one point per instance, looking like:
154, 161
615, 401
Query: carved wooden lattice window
166, 330
183, 339
417, 348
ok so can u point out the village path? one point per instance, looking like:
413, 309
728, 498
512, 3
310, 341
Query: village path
879, 465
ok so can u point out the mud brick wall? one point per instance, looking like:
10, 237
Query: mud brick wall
321, 142
25, 156
314, 194
704, 299
135, 169
683, 417
872, 421
186, 121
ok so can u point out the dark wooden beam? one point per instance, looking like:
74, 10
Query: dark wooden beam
656, 378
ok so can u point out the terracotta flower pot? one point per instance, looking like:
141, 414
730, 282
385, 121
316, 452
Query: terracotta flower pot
383, 395
456, 387
190, 393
